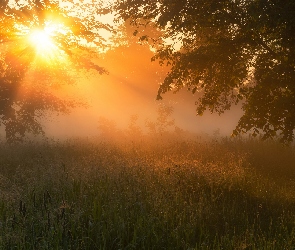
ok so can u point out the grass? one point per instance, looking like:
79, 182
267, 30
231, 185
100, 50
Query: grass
192, 194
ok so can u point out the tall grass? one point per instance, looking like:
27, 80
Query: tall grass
192, 194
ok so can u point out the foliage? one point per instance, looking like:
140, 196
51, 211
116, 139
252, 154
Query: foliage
186, 195
163, 123
29, 76
230, 52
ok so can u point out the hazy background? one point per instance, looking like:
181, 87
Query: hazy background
130, 88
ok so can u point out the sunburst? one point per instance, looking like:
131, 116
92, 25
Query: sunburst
44, 44
42, 40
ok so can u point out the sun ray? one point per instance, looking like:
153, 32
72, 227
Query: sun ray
44, 42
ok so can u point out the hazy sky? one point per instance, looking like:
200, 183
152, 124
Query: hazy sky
131, 88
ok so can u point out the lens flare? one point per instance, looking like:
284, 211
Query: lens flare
42, 41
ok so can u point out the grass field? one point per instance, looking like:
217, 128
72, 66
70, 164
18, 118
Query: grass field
186, 194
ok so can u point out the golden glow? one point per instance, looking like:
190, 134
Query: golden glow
42, 41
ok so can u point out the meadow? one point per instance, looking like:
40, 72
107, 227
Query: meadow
157, 193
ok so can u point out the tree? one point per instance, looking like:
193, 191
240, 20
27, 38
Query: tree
163, 123
231, 51
44, 45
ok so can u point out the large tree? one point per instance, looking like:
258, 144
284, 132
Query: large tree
44, 44
230, 51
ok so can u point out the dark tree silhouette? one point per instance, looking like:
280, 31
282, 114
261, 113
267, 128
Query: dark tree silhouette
231, 51
28, 81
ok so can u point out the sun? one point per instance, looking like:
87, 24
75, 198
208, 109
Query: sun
45, 42
42, 41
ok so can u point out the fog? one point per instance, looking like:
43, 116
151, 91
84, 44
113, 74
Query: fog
130, 88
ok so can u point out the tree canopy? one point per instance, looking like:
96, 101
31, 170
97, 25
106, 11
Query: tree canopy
44, 44
231, 51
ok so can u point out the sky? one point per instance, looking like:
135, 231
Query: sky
130, 88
